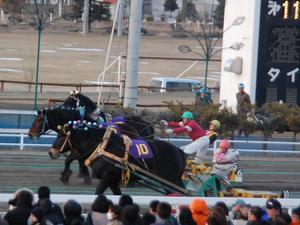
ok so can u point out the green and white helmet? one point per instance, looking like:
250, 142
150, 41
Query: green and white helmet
187, 115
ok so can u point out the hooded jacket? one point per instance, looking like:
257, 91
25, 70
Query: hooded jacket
199, 211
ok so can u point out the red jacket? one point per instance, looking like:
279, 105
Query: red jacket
193, 129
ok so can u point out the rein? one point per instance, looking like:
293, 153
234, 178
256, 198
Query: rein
45, 122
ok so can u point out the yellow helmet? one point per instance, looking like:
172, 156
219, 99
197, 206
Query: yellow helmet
216, 123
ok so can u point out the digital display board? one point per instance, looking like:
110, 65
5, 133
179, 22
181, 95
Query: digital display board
278, 65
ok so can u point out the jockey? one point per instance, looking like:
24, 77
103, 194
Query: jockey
224, 159
195, 132
214, 125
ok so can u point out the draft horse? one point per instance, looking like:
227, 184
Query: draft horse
167, 161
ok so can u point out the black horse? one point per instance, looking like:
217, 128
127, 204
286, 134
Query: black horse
168, 161
54, 118
61, 145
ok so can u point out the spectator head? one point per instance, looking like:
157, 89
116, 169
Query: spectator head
199, 211
72, 209
244, 210
130, 214
43, 192
148, 219
255, 213
237, 205
224, 206
273, 208
241, 86
114, 212
100, 204
287, 218
296, 215
153, 206
125, 200
23, 197
185, 216
217, 216
37, 214
164, 210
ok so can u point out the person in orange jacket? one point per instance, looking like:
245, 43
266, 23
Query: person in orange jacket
199, 211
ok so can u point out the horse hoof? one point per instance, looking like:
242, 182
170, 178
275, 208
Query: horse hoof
66, 173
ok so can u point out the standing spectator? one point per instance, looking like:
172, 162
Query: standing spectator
164, 211
37, 216
296, 216
114, 215
217, 216
226, 210
243, 104
153, 208
235, 210
72, 211
195, 132
274, 210
185, 216
130, 215
100, 207
53, 211
199, 211
148, 219
22, 204
125, 200
255, 216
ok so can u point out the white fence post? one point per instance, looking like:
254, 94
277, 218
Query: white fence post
22, 141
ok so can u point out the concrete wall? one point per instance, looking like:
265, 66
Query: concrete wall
248, 34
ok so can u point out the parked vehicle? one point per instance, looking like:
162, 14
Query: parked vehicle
167, 84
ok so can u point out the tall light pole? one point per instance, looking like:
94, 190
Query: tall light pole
208, 45
133, 55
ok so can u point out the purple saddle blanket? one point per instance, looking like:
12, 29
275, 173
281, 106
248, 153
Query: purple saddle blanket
140, 149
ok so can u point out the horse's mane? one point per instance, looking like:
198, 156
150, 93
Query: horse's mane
83, 101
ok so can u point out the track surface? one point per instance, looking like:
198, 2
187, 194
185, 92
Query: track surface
32, 168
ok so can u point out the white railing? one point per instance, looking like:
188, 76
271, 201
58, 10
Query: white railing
22, 134
174, 201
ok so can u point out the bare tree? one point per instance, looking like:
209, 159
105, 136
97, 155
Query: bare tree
37, 14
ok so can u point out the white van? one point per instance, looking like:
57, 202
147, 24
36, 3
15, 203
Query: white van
166, 84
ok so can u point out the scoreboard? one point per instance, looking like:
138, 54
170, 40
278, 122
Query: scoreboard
278, 65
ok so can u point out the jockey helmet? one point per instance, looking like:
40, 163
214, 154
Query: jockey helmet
187, 115
216, 123
224, 144
118, 120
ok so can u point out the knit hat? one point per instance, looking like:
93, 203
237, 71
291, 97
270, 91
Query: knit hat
38, 212
43, 192
273, 203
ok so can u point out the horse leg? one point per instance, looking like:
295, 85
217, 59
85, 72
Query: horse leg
84, 171
115, 188
101, 187
108, 180
66, 173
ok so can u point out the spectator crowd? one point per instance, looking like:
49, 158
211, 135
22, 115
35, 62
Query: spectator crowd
23, 211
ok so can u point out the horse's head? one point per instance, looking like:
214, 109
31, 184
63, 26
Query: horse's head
39, 126
61, 144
